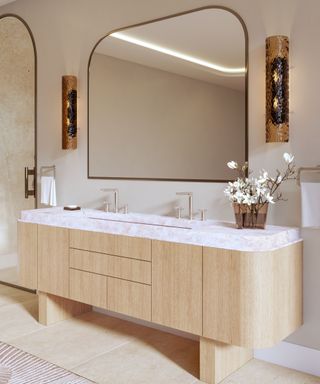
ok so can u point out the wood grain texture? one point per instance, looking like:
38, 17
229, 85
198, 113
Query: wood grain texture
177, 286
54, 308
118, 245
114, 266
53, 260
132, 299
88, 288
28, 255
219, 360
252, 299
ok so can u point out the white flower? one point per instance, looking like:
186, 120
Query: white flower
279, 179
247, 200
239, 196
263, 177
232, 165
269, 198
288, 157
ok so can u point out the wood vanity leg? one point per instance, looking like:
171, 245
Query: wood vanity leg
218, 360
54, 308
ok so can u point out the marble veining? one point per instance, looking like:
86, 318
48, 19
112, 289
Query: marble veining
208, 233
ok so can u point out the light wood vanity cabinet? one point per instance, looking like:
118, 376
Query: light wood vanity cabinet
177, 286
129, 298
28, 255
252, 299
233, 300
88, 288
109, 265
53, 260
125, 246
111, 271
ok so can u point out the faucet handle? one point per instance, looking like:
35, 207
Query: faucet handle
178, 209
124, 208
202, 214
106, 206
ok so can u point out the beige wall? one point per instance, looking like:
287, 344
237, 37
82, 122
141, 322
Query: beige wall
174, 126
65, 33
16, 127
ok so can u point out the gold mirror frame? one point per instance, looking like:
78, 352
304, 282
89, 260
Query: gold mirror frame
246, 93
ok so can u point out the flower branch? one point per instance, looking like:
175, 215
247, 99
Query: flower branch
256, 192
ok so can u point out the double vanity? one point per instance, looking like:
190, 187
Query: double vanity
235, 289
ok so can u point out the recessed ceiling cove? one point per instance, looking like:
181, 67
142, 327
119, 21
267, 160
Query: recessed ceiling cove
4, 2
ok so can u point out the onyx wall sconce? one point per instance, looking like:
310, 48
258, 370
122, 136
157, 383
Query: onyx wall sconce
69, 112
277, 89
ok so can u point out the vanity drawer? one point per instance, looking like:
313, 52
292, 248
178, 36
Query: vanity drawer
88, 288
132, 247
133, 299
114, 266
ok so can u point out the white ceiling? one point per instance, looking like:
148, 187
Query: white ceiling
212, 35
3, 2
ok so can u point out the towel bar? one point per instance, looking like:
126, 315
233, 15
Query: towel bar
29, 192
308, 169
49, 168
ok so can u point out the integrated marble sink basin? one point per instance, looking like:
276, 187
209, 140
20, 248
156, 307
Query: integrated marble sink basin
142, 219
138, 222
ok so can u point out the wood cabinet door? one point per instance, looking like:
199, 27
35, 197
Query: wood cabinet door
177, 286
53, 260
118, 245
28, 255
252, 299
89, 288
129, 298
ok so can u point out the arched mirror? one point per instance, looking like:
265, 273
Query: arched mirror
168, 99
17, 135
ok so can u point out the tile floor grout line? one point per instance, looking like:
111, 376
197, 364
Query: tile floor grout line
16, 303
101, 354
28, 333
23, 335
43, 327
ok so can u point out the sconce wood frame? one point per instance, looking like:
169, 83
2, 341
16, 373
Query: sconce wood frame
277, 89
69, 112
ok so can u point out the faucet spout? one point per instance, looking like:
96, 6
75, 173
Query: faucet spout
116, 197
190, 197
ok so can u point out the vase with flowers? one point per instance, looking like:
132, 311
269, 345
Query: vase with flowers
251, 196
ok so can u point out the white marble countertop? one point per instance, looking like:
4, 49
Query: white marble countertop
209, 233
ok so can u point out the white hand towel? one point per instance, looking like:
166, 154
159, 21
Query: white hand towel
48, 191
310, 204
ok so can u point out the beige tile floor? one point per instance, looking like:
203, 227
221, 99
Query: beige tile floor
9, 275
108, 350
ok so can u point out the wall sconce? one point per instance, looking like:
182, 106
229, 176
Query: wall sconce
277, 89
69, 112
